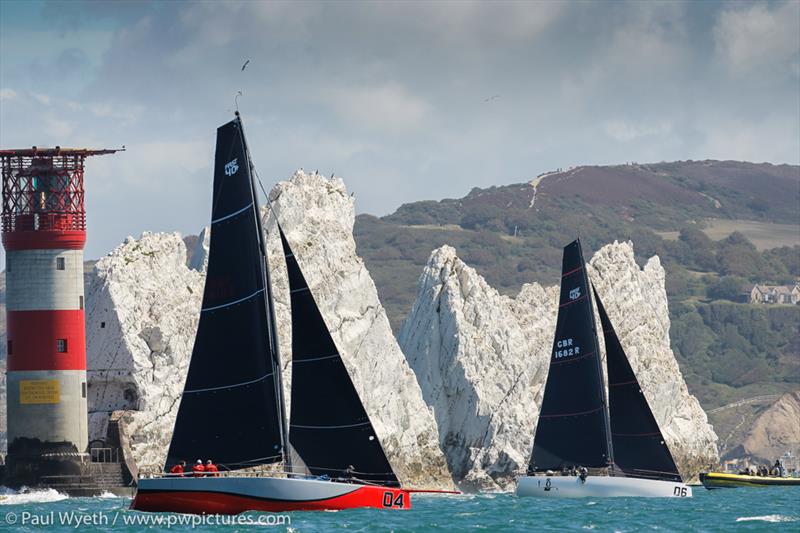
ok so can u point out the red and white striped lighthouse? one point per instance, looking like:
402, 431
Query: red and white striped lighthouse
44, 232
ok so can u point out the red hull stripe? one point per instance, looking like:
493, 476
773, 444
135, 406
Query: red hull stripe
44, 240
34, 336
200, 502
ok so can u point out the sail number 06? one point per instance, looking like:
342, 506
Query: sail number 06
679, 491
392, 500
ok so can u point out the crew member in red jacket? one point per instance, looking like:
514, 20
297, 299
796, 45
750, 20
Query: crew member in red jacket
197, 469
211, 469
178, 469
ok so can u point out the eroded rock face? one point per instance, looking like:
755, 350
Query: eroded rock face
636, 301
776, 431
482, 359
317, 216
142, 308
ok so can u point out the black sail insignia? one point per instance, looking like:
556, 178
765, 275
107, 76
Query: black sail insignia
639, 447
329, 427
231, 409
573, 428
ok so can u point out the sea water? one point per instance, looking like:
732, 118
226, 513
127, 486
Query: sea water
768, 509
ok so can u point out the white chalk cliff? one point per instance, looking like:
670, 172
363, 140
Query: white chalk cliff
482, 359
775, 432
481, 364
142, 308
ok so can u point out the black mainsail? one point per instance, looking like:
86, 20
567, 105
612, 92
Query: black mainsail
573, 426
231, 410
329, 427
639, 447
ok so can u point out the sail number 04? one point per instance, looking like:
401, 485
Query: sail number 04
392, 500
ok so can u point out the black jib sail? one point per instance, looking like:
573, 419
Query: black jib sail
231, 410
329, 428
572, 429
639, 447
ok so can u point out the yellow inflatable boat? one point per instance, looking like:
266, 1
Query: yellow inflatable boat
720, 480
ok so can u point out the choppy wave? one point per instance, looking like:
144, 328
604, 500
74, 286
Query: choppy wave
107, 494
768, 518
23, 496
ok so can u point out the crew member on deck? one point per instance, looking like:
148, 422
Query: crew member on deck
198, 469
178, 469
211, 469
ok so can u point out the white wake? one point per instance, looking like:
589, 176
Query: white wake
23, 496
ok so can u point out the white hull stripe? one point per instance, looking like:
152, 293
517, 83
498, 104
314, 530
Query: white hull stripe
240, 300
239, 212
280, 489
245, 383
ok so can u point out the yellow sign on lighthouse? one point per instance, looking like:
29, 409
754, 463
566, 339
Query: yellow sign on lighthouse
39, 391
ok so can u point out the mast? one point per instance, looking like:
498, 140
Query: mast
269, 302
606, 409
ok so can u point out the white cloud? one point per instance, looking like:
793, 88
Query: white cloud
758, 36
57, 128
387, 107
43, 99
8, 95
626, 131
773, 138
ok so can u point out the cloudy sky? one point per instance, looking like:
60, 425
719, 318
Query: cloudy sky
406, 101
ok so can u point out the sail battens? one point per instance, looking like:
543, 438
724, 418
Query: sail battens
312, 359
651, 434
623, 383
343, 426
564, 275
570, 302
229, 304
242, 384
569, 359
235, 213
580, 413
301, 289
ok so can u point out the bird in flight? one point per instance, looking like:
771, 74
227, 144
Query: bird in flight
494, 96
245, 65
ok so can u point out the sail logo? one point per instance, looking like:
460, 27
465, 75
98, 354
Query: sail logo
565, 348
575, 293
232, 167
